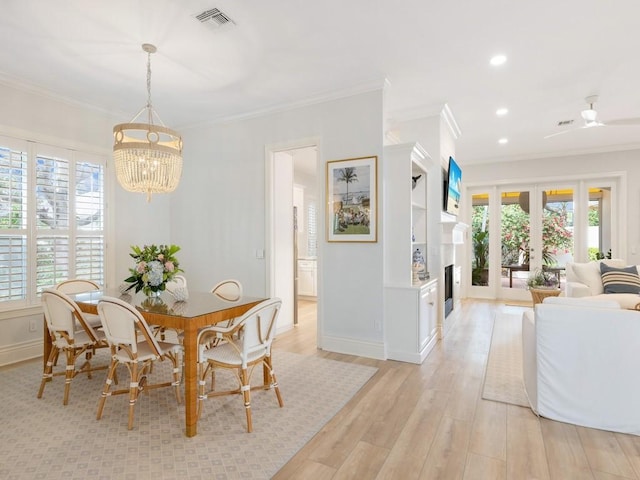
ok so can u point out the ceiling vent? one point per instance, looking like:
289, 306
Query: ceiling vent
214, 18
564, 123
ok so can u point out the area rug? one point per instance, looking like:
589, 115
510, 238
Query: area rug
503, 376
41, 438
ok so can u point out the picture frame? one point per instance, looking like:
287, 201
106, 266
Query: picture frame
352, 200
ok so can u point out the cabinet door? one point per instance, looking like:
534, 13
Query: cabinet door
423, 321
427, 316
432, 304
306, 279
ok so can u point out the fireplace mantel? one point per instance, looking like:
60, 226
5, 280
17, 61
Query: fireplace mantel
453, 233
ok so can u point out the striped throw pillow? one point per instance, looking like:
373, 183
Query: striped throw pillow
620, 280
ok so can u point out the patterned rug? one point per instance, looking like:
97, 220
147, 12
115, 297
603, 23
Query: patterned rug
503, 377
41, 438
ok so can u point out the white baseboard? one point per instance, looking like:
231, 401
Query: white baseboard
20, 352
416, 357
349, 346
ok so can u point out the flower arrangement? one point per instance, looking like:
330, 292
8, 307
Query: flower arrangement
542, 279
155, 266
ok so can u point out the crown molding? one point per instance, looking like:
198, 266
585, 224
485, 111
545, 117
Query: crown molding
287, 106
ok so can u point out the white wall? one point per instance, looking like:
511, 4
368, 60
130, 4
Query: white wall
219, 215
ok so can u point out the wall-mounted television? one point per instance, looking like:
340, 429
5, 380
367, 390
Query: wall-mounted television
453, 187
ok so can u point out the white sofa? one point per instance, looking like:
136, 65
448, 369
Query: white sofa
581, 363
584, 280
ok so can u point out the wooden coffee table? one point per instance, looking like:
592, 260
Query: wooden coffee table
539, 294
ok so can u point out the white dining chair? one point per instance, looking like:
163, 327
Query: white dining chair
76, 285
80, 285
133, 344
230, 290
63, 316
240, 353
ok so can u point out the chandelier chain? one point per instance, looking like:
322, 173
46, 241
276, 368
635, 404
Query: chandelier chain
149, 107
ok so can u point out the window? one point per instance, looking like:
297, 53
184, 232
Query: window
51, 219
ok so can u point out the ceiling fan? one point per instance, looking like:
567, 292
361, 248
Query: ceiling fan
590, 117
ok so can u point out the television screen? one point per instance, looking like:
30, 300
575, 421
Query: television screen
453, 187
445, 175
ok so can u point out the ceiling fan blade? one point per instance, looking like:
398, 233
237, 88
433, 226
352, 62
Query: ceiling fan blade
624, 121
587, 125
562, 132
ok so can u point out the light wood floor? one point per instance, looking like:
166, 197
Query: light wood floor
429, 422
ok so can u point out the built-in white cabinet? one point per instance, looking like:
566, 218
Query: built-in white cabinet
410, 307
411, 321
307, 274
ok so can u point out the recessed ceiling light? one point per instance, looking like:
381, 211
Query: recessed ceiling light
501, 112
498, 60
502, 141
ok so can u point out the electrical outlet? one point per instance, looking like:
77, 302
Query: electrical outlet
32, 325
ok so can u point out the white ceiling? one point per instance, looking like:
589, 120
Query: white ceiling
285, 52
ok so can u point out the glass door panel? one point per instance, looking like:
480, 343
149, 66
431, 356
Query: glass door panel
557, 231
599, 238
515, 239
480, 239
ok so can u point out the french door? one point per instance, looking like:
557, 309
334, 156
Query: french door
536, 233
515, 231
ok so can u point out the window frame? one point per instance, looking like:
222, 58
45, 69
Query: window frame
35, 150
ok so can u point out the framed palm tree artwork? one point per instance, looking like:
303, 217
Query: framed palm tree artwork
352, 200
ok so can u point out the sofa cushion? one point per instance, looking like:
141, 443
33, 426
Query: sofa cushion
589, 273
620, 280
627, 301
600, 301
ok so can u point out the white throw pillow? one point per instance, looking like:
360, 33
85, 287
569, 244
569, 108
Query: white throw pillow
589, 273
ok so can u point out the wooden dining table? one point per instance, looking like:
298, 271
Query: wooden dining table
202, 309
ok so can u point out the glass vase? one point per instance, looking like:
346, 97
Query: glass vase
150, 293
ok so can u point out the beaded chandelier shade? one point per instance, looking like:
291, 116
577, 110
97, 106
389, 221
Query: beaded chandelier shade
148, 156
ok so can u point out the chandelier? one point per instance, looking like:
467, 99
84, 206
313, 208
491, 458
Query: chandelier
148, 156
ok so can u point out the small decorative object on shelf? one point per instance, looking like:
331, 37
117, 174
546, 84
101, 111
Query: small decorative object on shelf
418, 266
415, 269
155, 266
414, 181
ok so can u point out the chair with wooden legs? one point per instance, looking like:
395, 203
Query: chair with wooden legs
133, 344
76, 285
80, 285
230, 290
240, 353
70, 333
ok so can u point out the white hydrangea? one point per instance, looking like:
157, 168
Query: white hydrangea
156, 270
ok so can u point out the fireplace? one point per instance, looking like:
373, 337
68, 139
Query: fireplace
448, 290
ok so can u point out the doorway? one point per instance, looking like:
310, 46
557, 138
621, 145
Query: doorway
293, 196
